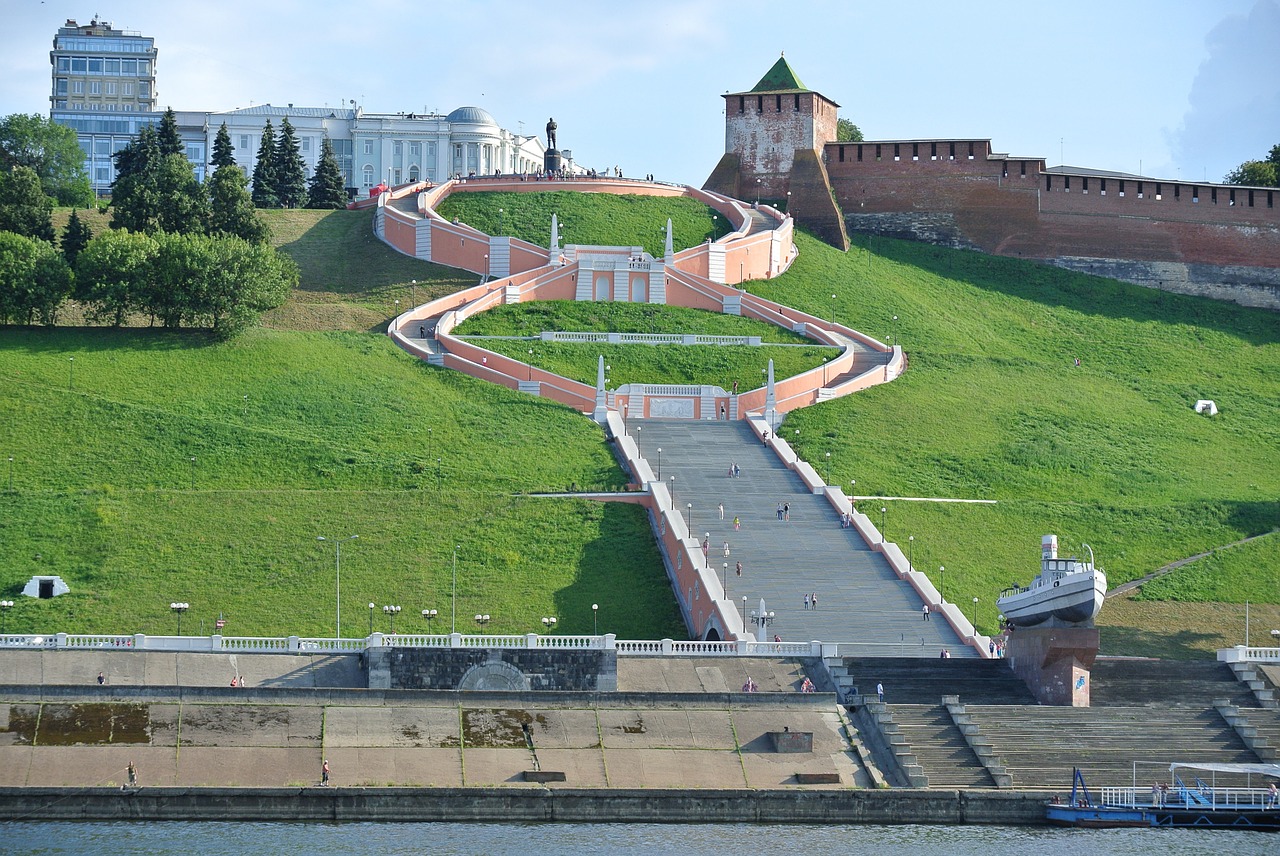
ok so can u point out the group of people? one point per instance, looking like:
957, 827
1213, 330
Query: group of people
811, 600
784, 511
734, 471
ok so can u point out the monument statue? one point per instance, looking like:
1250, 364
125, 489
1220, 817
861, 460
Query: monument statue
551, 133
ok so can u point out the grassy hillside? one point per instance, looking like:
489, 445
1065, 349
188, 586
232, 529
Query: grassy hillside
333, 439
993, 407
297, 435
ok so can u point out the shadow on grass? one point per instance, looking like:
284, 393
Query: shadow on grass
80, 340
621, 572
1254, 518
1089, 295
1143, 642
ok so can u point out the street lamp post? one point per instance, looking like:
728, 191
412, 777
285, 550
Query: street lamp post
833, 310
673, 493
911, 552
975, 616
688, 516
337, 566
724, 580
942, 584
548, 623
895, 331
453, 596
391, 611
482, 620
744, 612
5, 606
11, 473
659, 463
853, 483
757, 193
180, 607
531, 364
595, 624
882, 513
71, 373
193, 472
828, 468
428, 615
371, 605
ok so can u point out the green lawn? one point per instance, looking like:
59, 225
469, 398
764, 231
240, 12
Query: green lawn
993, 407
341, 433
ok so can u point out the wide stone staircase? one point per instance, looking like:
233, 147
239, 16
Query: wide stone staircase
1039, 746
939, 747
909, 680
863, 606
1122, 682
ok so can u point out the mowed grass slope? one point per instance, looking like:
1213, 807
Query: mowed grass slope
297, 435
993, 407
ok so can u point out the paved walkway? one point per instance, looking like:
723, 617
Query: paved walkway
862, 605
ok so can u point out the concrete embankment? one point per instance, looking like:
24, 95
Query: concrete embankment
526, 805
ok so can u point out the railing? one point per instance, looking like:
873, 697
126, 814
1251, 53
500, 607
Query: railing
1242, 654
636, 338
1206, 798
301, 645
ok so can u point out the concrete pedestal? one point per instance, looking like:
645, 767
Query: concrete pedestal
1054, 662
551, 161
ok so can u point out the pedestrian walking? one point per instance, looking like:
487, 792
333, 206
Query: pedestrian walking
924, 612
779, 510
813, 599
991, 647
726, 549
737, 524
324, 774
739, 568
737, 471
806, 601
722, 415
880, 692
786, 511
721, 507
102, 678
132, 772
706, 548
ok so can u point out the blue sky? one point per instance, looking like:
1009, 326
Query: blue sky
1177, 88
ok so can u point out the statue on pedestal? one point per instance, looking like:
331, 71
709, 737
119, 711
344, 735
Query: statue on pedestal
551, 133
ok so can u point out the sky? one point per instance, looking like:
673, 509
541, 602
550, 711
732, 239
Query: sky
1175, 89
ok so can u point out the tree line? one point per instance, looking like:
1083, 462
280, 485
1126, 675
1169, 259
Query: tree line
1257, 173
178, 252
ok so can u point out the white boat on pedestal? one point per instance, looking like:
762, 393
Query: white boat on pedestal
1070, 590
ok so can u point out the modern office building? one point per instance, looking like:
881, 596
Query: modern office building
104, 87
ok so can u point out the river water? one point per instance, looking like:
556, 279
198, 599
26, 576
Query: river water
616, 839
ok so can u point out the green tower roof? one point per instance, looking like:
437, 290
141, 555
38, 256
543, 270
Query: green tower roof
780, 78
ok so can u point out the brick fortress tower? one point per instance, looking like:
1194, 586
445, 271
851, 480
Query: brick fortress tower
774, 135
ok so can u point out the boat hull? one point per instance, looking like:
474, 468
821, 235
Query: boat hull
1111, 817
1076, 599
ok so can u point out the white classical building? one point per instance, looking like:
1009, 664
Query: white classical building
396, 148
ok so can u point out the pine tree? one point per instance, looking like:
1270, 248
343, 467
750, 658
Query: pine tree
291, 170
232, 211
223, 151
327, 189
133, 193
75, 238
264, 170
168, 137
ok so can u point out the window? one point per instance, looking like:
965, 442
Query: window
368, 147
128, 90
1213, 195
431, 150
971, 151
306, 145
64, 64
742, 104
415, 149
366, 175
95, 65
413, 173
841, 158
797, 101
915, 151
111, 87
896, 152
1139, 189
859, 153
113, 66
1103, 188
759, 103
77, 87
195, 152
144, 90
1022, 170
128, 66
951, 153
128, 107
1048, 182
144, 67
933, 151
397, 148
95, 87
1122, 187
79, 65
102, 173
60, 86
777, 103
244, 141
1085, 183
1066, 184
877, 151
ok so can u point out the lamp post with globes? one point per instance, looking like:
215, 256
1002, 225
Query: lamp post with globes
178, 609
975, 616
5, 606
688, 516
911, 552
942, 584
595, 624
883, 510
724, 580
391, 611
482, 619
659, 463
429, 615
371, 607
548, 623
673, 493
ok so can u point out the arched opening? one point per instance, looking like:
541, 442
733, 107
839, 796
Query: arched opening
712, 635
602, 288
639, 291
413, 173
366, 175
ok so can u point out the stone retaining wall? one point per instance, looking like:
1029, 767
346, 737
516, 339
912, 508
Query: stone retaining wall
525, 804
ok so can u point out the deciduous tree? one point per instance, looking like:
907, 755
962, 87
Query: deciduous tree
111, 274
847, 132
34, 279
1253, 173
50, 149
24, 208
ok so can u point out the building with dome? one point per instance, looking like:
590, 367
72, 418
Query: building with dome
395, 148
